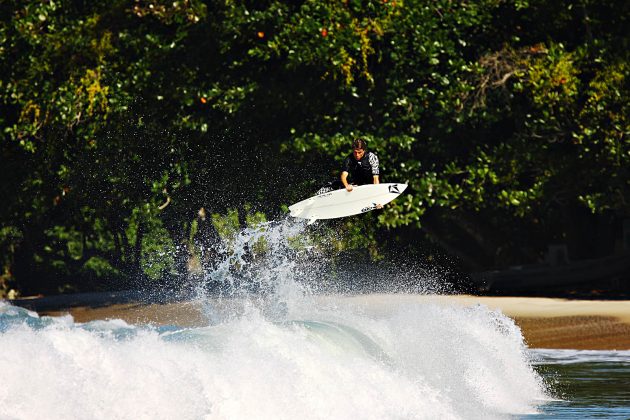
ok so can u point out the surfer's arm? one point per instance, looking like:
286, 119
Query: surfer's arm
375, 172
373, 159
344, 181
376, 181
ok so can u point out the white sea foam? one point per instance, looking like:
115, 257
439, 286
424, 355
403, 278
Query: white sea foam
367, 357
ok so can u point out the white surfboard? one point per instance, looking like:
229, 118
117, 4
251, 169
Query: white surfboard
341, 203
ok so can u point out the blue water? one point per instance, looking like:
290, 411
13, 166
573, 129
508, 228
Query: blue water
588, 384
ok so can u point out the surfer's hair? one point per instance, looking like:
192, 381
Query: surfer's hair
359, 144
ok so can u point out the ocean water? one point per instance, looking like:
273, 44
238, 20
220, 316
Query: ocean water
587, 384
418, 361
272, 347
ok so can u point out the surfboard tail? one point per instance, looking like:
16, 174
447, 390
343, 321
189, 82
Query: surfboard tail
298, 213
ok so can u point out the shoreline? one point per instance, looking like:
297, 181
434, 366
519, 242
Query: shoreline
552, 323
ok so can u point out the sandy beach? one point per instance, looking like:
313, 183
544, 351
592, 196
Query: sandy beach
565, 324
545, 322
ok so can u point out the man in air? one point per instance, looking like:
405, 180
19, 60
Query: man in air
360, 167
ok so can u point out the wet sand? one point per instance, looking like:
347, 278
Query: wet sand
565, 324
545, 322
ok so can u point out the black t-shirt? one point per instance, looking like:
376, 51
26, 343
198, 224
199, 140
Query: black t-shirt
361, 171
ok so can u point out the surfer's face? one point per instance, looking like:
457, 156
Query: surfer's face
358, 153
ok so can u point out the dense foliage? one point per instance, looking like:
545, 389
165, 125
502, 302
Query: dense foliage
125, 121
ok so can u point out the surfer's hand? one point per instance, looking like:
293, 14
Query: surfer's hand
349, 187
379, 206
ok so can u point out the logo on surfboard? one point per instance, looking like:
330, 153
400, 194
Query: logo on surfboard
366, 209
394, 189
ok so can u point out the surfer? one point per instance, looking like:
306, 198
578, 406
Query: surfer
357, 190
360, 167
